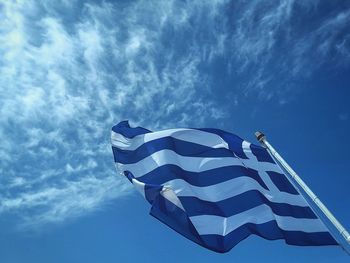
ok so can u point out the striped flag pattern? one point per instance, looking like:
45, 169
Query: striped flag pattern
215, 188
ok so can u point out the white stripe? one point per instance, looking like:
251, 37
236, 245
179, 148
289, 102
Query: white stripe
172, 197
247, 151
189, 135
261, 166
191, 164
217, 225
253, 163
231, 188
140, 186
262, 172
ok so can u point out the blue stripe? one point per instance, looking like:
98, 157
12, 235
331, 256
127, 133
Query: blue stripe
124, 129
282, 183
234, 142
175, 218
270, 231
152, 192
240, 203
180, 147
129, 175
261, 154
169, 172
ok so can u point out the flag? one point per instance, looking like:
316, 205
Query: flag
215, 188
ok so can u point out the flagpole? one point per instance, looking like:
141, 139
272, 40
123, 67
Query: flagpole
262, 139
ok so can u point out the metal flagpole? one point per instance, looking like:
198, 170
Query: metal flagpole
262, 139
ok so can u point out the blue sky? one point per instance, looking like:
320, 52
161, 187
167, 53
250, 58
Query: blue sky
70, 70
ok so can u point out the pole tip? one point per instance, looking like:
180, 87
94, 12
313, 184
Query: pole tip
260, 136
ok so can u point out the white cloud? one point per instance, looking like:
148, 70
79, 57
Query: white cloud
57, 204
278, 42
70, 70
67, 75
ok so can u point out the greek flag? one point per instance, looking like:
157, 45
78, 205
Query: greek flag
215, 188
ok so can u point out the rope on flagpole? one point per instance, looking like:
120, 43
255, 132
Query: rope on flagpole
262, 139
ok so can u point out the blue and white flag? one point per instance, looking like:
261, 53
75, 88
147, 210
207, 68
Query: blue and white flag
215, 188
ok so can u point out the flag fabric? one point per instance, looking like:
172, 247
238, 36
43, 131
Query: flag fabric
215, 188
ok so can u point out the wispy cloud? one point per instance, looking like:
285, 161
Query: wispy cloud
70, 199
281, 42
69, 71
328, 43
